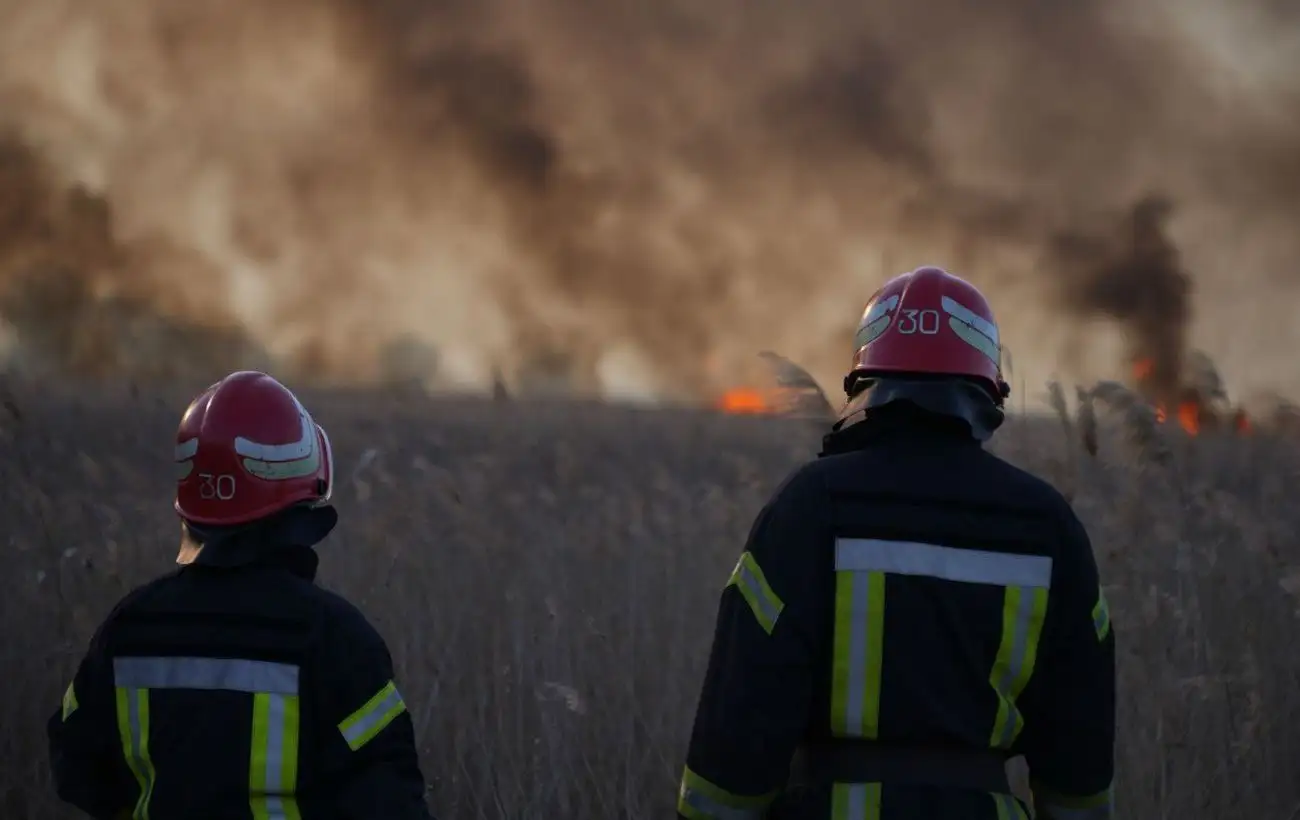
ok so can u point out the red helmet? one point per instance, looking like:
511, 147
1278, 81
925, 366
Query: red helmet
247, 449
929, 322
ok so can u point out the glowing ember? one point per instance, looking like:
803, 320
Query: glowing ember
744, 400
1189, 416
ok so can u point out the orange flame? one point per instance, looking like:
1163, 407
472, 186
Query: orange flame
744, 400
1188, 415
1191, 414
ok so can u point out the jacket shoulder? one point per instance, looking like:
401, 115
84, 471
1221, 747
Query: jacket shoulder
1032, 488
805, 484
143, 593
345, 620
971, 473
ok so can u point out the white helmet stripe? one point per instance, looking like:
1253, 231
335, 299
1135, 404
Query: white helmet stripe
973, 329
970, 317
879, 309
294, 451
187, 449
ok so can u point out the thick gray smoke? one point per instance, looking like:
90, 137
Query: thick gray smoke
644, 193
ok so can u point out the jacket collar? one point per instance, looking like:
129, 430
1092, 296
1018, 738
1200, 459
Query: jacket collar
285, 542
862, 427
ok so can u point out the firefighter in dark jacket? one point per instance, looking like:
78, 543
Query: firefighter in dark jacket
234, 687
910, 611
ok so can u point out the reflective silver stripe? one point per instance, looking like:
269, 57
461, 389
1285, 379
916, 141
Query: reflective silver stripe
762, 599
369, 719
703, 803
293, 451
229, 674
950, 563
275, 755
858, 651
855, 796
970, 317
274, 742
133, 730
758, 594
273, 764
1009, 684
137, 736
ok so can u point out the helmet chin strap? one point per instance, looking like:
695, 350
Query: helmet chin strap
954, 398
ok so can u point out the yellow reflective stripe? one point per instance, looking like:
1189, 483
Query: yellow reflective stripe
748, 577
855, 801
133, 727
1023, 610
1101, 616
273, 757
858, 653
360, 727
699, 799
69, 701
1009, 807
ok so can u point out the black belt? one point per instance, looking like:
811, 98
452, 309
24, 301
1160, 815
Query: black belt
867, 761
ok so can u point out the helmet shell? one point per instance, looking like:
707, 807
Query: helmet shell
247, 449
929, 322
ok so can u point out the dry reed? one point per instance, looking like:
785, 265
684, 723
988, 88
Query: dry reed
547, 576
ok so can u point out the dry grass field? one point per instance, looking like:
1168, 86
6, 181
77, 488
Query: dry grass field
547, 577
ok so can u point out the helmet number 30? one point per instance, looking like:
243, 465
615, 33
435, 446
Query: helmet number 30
220, 487
925, 322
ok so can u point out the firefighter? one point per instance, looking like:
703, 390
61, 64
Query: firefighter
910, 611
234, 686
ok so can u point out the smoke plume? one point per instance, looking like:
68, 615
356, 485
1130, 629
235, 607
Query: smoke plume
639, 196
1135, 277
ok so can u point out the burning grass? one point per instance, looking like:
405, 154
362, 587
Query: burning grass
547, 578
1198, 400
747, 401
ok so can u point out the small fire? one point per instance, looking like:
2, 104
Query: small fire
1191, 414
1188, 415
745, 401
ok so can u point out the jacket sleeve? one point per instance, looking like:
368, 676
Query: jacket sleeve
755, 704
369, 754
1069, 711
86, 758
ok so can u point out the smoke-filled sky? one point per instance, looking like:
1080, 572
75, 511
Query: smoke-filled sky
655, 190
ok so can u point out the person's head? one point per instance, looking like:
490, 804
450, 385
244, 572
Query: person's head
929, 339
247, 452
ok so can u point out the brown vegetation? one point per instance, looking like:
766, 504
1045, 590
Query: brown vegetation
547, 576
